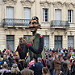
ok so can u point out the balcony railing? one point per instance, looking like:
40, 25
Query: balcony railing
59, 24
16, 22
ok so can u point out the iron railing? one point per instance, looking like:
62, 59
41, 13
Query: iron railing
59, 23
16, 22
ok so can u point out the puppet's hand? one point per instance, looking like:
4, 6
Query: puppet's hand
20, 41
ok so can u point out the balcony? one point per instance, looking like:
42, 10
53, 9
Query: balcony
16, 22
59, 24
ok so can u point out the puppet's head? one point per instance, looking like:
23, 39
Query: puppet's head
34, 24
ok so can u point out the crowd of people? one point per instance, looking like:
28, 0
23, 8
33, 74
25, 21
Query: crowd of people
10, 64
55, 62
61, 61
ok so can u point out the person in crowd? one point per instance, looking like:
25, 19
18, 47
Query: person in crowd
66, 60
37, 67
26, 71
4, 68
65, 70
0, 63
5, 60
16, 61
14, 54
8, 50
32, 61
45, 71
10, 59
15, 70
50, 64
62, 62
53, 56
57, 65
44, 62
73, 68
1, 53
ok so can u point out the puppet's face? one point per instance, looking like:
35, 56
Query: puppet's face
34, 25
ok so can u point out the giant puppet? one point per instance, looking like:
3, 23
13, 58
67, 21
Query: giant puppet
36, 46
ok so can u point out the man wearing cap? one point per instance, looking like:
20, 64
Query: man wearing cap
37, 42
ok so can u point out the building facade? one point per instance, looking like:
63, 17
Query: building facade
57, 19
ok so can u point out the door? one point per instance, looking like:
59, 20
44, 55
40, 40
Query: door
71, 41
58, 42
58, 17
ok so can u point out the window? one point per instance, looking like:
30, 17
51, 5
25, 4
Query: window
46, 41
70, 16
58, 42
45, 15
9, 15
10, 42
27, 13
71, 41
58, 14
58, 17
10, 12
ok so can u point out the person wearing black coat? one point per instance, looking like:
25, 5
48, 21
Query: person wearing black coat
73, 68
37, 67
65, 70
